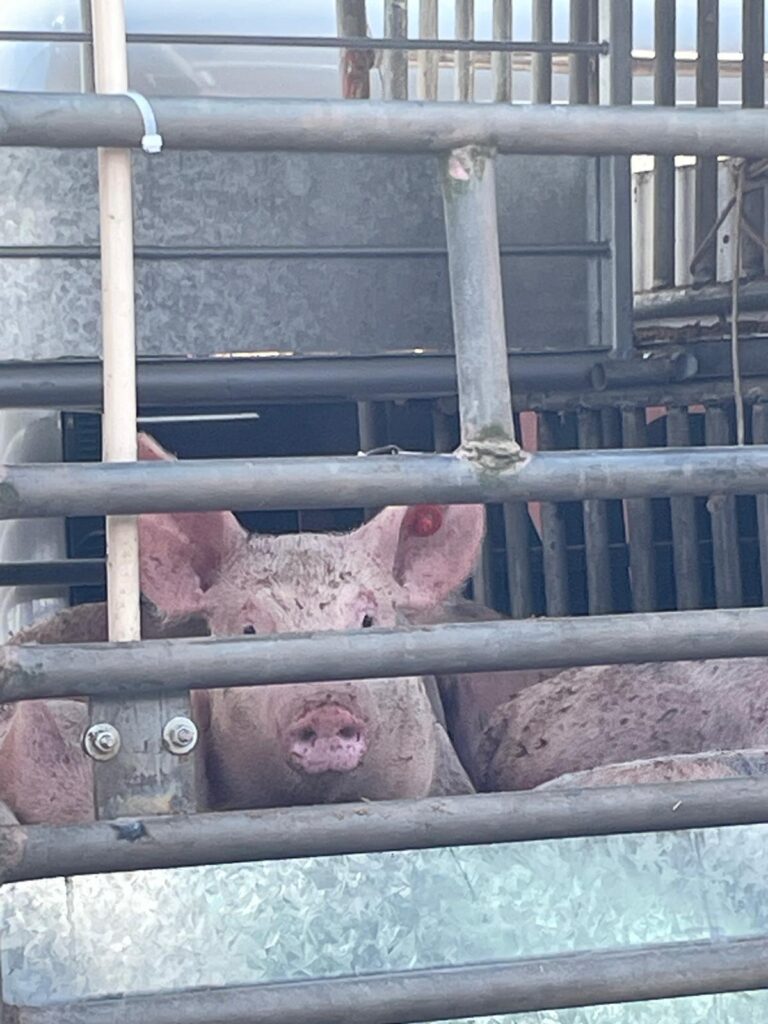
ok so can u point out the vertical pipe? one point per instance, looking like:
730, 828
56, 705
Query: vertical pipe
596, 542
708, 23
354, 65
639, 523
395, 62
554, 551
594, 64
501, 63
87, 72
472, 233
760, 436
615, 25
372, 433
518, 550
753, 95
685, 535
143, 776
118, 323
725, 531
664, 95
541, 63
464, 61
578, 81
429, 60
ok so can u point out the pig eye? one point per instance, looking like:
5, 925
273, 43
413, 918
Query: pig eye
250, 630
367, 621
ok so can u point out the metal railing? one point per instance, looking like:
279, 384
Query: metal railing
488, 467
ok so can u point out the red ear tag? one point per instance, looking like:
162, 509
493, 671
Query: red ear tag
423, 520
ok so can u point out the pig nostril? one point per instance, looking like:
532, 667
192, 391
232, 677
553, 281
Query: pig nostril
307, 735
349, 732
249, 630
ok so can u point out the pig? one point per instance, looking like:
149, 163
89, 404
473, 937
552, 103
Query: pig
469, 701
583, 718
308, 743
726, 764
305, 743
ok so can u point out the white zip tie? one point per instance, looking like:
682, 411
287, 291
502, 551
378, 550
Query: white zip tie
151, 140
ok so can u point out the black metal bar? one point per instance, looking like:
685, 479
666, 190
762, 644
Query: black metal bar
196, 485
319, 42
592, 250
615, 373
578, 84
685, 534
75, 121
631, 974
518, 559
753, 95
43, 851
760, 434
722, 510
595, 527
241, 382
664, 85
541, 64
707, 90
156, 666
639, 523
554, 551
72, 573
710, 300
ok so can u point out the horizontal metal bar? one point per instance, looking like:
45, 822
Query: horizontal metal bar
154, 666
596, 250
231, 837
82, 120
438, 993
709, 300
318, 42
238, 383
194, 485
70, 572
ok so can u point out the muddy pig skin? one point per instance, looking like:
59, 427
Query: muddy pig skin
586, 717
296, 744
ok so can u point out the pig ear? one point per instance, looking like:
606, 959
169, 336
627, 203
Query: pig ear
429, 549
182, 552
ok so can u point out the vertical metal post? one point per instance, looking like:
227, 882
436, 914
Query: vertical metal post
140, 775
578, 82
554, 551
395, 62
501, 63
685, 534
371, 433
518, 550
465, 71
615, 25
664, 94
541, 63
596, 544
760, 436
707, 91
753, 95
87, 79
722, 510
639, 523
429, 60
354, 65
472, 233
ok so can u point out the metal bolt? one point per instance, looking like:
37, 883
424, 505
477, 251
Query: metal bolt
102, 741
180, 735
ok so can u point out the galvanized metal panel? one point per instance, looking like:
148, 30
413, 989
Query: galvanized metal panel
50, 308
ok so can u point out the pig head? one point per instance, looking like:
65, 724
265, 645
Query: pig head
607, 715
310, 743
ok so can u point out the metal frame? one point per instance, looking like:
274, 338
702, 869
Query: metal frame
489, 468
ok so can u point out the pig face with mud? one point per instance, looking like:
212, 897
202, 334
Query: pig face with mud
310, 743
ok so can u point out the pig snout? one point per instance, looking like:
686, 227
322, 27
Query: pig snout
329, 738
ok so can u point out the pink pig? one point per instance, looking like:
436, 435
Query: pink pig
303, 743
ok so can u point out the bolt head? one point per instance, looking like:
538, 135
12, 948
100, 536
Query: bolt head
102, 741
180, 735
